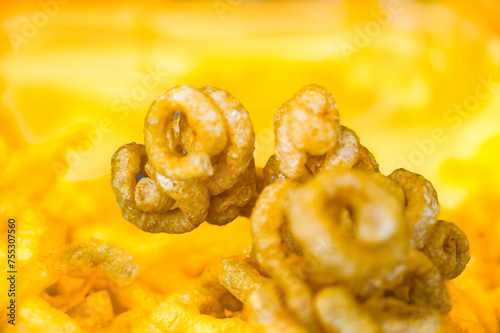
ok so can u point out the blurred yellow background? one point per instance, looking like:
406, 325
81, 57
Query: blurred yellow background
417, 80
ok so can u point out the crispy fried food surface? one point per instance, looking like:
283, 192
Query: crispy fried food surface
197, 156
337, 246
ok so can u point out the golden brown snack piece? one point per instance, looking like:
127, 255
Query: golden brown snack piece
204, 117
271, 172
397, 316
233, 276
199, 145
246, 211
219, 140
337, 248
267, 220
422, 205
65, 300
307, 124
426, 286
150, 197
345, 153
237, 156
226, 206
96, 311
191, 196
366, 160
348, 153
339, 312
116, 263
38, 316
264, 308
448, 248
379, 240
190, 312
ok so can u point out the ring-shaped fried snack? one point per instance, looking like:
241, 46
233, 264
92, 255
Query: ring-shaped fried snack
96, 311
448, 248
425, 283
66, 300
347, 153
81, 256
344, 154
267, 221
396, 316
366, 160
36, 315
237, 155
149, 197
246, 211
226, 206
422, 205
204, 117
191, 196
190, 312
379, 239
307, 124
271, 172
339, 312
265, 309
231, 275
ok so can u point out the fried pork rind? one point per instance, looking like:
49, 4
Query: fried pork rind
396, 316
307, 124
232, 275
237, 156
379, 236
265, 309
425, 283
271, 172
222, 132
191, 195
347, 153
190, 312
339, 312
36, 316
366, 160
150, 198
267, 221
333, 251
199, 145
422, 205
226, 206
84, 310
309, 137
69, 292
96, 311
448, 248
204, 117
78, 256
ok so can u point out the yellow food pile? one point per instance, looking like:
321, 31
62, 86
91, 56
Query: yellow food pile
336, 245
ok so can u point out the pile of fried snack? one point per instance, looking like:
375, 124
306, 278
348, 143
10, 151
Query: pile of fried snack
337, 246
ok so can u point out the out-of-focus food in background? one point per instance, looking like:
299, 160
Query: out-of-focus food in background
418, 80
